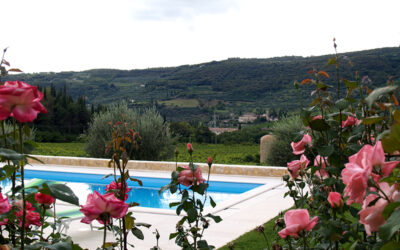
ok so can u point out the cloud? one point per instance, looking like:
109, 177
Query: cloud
171, 10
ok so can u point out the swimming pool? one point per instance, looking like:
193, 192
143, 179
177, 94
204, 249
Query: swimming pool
147, 196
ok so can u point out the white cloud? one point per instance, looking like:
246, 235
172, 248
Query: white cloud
47, 35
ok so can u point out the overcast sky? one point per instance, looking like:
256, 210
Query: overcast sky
64, 35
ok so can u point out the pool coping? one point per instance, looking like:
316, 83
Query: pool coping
224, 169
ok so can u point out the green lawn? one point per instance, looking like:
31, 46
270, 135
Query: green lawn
254, 240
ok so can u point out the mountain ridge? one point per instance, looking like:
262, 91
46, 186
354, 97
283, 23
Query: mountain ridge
233, 85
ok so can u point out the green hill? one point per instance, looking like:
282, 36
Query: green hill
234, 85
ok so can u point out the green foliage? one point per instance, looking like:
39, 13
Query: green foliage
248, 134
181, 130
286, 131
66, 118
154, 142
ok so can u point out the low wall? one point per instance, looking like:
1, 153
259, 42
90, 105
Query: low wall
163, 166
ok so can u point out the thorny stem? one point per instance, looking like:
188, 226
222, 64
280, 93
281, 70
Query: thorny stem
208, 180
104, 234
21, 149
54, 217
379, 189
338, 97
305, 242
337, 69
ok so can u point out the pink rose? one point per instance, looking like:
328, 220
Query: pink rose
371, 216
300, 147
44, 199
377, 158
187, 177
4, 204
31, 217
21, 101
356, 180
335, 199
351, 121
114, 186
359, 169
297, 165
321, 162
189, 148
297, 220
103, 207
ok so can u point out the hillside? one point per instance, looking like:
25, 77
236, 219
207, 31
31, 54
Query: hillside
234, 85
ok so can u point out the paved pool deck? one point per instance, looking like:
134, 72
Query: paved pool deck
239, 215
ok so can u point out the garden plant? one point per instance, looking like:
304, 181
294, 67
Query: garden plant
188, 181
345, 180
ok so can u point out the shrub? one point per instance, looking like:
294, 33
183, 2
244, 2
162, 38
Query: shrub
155, 142
286, 131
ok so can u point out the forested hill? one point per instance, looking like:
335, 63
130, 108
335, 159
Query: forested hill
237, 85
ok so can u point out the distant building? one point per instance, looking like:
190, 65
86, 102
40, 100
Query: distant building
247, 118
218, 131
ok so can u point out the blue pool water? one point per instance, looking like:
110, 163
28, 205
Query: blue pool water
147, 196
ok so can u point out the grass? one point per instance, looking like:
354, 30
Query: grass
223, 154
255, 240
61, 149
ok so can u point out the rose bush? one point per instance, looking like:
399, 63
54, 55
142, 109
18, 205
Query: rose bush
352, 185
190, 229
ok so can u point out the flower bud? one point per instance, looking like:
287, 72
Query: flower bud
209, 161
190, 148
335, 199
